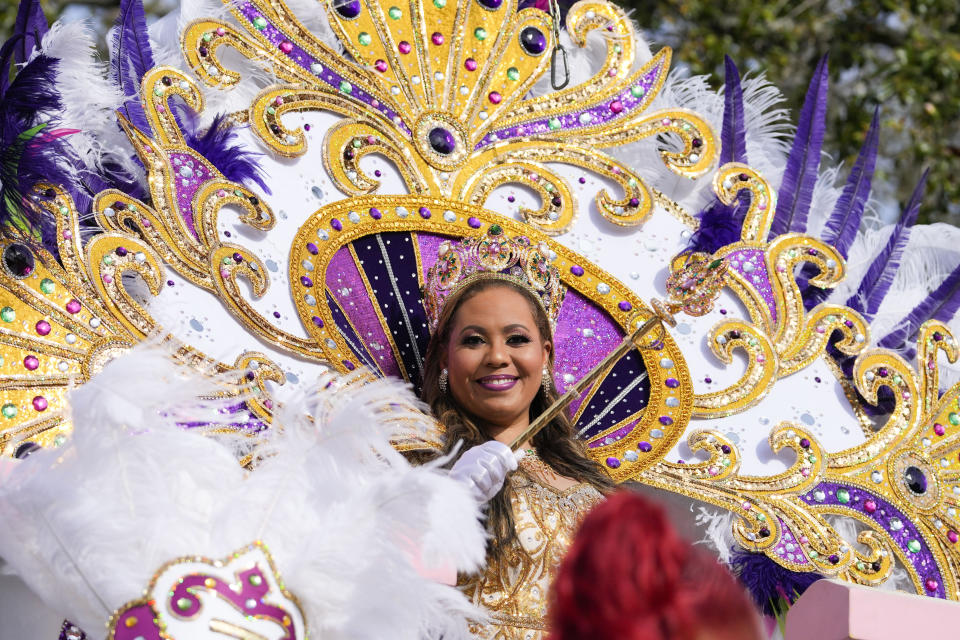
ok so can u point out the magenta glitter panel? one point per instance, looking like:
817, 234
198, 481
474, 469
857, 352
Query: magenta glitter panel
346, 286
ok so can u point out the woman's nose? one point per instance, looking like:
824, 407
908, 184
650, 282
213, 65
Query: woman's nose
497, 354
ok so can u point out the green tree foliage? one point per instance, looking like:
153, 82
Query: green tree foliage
901, 55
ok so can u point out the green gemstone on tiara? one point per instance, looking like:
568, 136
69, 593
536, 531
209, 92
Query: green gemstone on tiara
495, 229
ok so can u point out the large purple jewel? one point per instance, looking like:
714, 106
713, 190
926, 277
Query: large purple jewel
442, 141
490, 4
349, 9
533, 41
916, 480
18, 260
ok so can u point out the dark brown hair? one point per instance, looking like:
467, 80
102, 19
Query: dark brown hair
555, 444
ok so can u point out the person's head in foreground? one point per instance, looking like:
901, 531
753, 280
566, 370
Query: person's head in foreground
630, 576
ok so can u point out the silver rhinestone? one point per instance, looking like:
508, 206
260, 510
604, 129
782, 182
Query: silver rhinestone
309, 299
603, 289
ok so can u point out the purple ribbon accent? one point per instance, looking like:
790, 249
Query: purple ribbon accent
923, 561
599, 114
276, 36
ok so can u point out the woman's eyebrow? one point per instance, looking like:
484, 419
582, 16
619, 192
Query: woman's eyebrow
472, 327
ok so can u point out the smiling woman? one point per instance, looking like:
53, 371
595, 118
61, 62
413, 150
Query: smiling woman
486, 376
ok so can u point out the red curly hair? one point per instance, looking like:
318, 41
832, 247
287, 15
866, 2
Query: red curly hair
629, 576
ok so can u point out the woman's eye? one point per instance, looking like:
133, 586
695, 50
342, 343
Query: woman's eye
472, 340
518, 339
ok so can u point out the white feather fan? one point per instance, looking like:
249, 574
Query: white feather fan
343, 514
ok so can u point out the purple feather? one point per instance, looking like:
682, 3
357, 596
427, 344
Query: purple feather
841, 228
31, 23
876, 283
131, 58
800, 175
770, 585
940, 305
6, 59
720, 225
733, 136
844, 222
218, 144
26, 155
32, 93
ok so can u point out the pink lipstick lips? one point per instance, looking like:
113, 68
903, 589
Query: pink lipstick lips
497, 382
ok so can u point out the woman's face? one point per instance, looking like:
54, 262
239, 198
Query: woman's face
495, 359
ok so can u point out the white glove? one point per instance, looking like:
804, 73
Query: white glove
483, 468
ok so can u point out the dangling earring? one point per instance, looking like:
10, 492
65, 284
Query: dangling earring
442, 382
547, 382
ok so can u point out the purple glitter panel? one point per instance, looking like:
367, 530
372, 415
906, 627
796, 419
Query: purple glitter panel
923, 561
275, 35
598, 114
346, 286
751, 264
357, 346
429, 246
789, 547
136, 622
578, 354
190, 174
250, 600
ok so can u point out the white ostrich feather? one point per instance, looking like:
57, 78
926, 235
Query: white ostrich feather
89, 99
369, 587
85, 526
341, 511
717, 531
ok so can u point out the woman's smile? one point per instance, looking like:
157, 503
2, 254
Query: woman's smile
497, 382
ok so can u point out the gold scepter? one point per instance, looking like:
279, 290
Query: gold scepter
693, 290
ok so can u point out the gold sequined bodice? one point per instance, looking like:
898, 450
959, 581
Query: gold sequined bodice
515, 590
